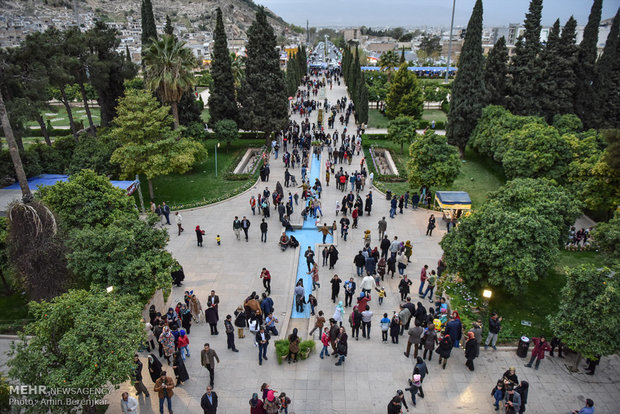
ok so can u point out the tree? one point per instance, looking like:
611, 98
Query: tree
430, 46
402, 56
87, 199
128, 254
388, 61
169, 66
402, 130
589, 298
148, 145
14, 152
222, 100
405, 96
168, 29
607, 237
226, 130
468, 92
433, 162
71, 346
263, 97
36, 250
585, 70
495, 73
149, 31
607, 108
361, 107
524, 70
489, 246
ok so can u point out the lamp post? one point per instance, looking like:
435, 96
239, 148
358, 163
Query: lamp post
216, 147
450, 41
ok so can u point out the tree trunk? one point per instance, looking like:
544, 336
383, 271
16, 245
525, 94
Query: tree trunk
44, 132
17, 161
461, 153
65, 102
175, 114
92, 129
267, 141
575, 368
151, 193
7, 287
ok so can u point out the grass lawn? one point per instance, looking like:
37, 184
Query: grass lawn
14, 311
377, 120
187, 190
57, 115
539, 299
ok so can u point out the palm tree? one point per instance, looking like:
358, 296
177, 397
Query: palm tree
388, 61
169, 66
238, 69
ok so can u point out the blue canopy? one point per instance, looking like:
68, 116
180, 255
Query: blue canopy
44, 180
453, 197
414, 68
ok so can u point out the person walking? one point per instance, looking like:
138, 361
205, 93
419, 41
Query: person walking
366, 322
199, 234
245, 225
471, 350
208, 357
208, 402
538, 353
339, 313
262, 339
404, 287
335, 282
512, 401
309, 255
166, 212
342, 346
179, 221
423, 278
431, 225
137, 377
237, 227
359, 260
523, 389
430, 287
394, 328
325, 342
164, 386
154, 367
494, 328
455, 329
414, 386
333, 256
382, 228
129, 404
211, 313
393, 205
180, 372
444, 349
230, 333
325, 230
429, 339
349, 291
315, 276
318, 323
415, 338
263, 231
421, 369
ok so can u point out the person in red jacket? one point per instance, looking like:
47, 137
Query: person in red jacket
540, 346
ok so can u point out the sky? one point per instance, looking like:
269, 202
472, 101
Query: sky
410, 13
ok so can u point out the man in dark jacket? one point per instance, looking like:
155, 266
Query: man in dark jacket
359, 261
137, 377
208, 402
385, 246
245, 225
263, 231
455, 330
262, 339
349, 291
494, 328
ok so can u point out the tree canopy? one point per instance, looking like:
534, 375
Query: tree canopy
433, 162
405, 96
402, 130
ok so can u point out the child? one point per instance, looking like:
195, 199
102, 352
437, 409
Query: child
218, 239
284, 402
183, 344
498, 393
381, 294
385, 326
325, 342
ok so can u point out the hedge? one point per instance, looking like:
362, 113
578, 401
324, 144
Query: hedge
36, 132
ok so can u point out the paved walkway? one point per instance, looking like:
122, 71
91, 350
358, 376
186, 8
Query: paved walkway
373, 370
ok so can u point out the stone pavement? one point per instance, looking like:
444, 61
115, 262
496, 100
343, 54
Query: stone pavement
373, 371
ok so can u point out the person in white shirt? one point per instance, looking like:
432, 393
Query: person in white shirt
128, 404
368, 284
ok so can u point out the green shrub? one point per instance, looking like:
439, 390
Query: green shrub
281, 349
307, 346
374, 136
94, 154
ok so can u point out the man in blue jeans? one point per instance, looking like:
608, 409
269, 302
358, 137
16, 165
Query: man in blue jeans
359, 261
393, 205
262, 338
164, 386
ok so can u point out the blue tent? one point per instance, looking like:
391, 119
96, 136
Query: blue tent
44, 180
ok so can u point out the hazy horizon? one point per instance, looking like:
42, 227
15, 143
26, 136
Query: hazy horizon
411, 13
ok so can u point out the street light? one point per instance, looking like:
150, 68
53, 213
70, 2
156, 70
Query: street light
450, 41
487, 293
216, 147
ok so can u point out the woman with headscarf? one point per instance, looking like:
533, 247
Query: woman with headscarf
420, 315
256, 405
166, 339
335, 287
154, 367
471, 350
339, 313
195, 308
293, 346
271, 405
179, 369
342, 346
186, 319
199, 234
408, 250
422, 370
444, 349
395, 328
333, 256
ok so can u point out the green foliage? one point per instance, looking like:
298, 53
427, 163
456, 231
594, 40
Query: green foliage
433, 162
222, 98
168, 29
226, 130
567, 123
405, 96
607, 237
149, 31
305, 347
5, 406
607, 108
388, 62
70, 345
495, 71
5, 269
93, 154
589, 299
514, 237
190, 109
430, 46
205, 79
134, 83
402, 130
128, 254
468, 92
87, 199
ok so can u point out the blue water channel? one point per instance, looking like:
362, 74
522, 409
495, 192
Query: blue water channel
309, 235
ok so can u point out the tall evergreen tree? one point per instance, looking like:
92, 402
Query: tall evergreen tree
149, 30
550, 59
402, 55
495, 72
405, 96
168, 29
263, 95
584, 97
525, 71
361, 106
468, 93
607, 82
222, 102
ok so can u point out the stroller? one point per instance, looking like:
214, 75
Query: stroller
293, 180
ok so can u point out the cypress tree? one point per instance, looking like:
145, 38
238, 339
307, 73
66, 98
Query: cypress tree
584, 97
405, 96
402, 55
361, 107
525, 72
149, 31
222, 103
550, 59
495, 71
168, 29
127, 54
565, 71
263, 97
468, 93
608, 80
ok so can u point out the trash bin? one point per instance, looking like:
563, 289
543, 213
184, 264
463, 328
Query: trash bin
388, 195
524, 345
